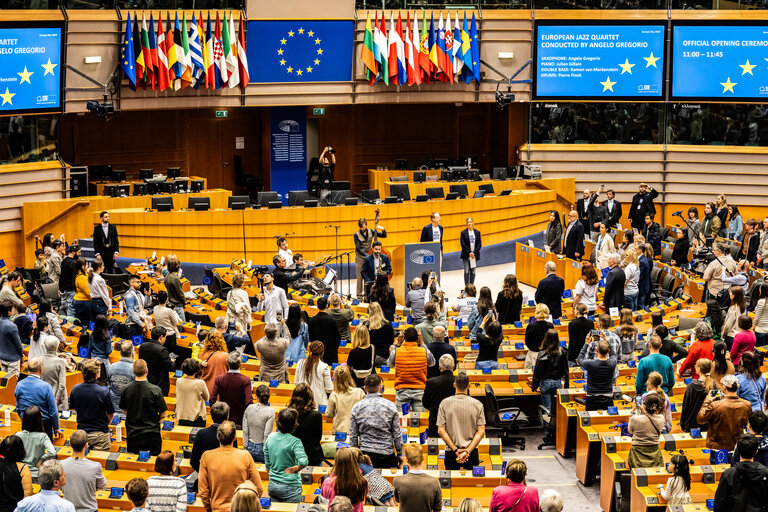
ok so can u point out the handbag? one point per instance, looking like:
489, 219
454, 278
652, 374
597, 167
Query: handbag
361, 374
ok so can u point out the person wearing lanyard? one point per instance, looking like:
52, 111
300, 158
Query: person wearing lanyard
433, 232
471, 243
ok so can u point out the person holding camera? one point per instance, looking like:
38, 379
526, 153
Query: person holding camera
726, 415
326, 167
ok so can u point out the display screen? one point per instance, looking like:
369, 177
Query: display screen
720, 62
30, 77
592, 61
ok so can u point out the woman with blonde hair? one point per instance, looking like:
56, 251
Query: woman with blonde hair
381, 333
213, 358
361, 358
315, 373
632, 281
238, 303
344, 396
246, 498
470, 505
534, 334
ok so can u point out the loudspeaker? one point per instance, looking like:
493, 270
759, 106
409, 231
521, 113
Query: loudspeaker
78, 182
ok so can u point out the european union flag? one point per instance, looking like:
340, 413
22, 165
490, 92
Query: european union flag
300, 51
127, 59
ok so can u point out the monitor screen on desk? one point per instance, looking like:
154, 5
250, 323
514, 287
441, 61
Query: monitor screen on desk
162, 204
146, 174
459, 173
446, 175
237, 202
499, 173
196, 186
173, 172
419, 176
200, 204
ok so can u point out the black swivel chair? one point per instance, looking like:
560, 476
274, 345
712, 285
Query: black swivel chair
504, 421
370, 195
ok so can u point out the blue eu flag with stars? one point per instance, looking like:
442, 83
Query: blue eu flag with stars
300, 51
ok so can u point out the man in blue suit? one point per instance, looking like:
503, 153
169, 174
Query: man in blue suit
433, 232
550, 290
373, 264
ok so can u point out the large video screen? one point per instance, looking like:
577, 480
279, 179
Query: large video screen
30, 77
599, 61
720, 62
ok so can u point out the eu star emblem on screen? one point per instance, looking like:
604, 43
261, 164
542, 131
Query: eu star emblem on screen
300, 51
599, 61
30, 77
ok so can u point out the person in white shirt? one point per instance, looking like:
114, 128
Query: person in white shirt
604, 246
39, 337
239, 304
285, 252
84, 477
271, 300
315, 373
466, 302
100, 300
632, 273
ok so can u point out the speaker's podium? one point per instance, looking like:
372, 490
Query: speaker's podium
411, 260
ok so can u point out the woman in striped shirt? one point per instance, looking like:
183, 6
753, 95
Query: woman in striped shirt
167, 493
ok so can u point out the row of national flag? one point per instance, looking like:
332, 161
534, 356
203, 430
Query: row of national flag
405, 55
184, 55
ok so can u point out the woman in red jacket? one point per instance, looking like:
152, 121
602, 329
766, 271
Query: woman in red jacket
701, 348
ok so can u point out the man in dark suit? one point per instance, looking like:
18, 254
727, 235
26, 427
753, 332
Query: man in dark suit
471, 243
642, 204
205, 439
438, 389
323, 327
584, 207
612, 209
644, 284
614, 284
158, 360
574, 237
652, 233
373, 264
599, 215
105, 242
433, 232
283, 276
550, 290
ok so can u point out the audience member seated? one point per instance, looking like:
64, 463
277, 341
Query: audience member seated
206, 437
701, 348
695, 393
743, 486
144, 408
517, 495
258, 421
51, 480
461, 424
726, 416
234, 388
94, 407
550, 290
223, 469
120, 374
34, 391
284, 457
655, 362
314, 372
323, 328
272, 351
416, 491
16, 480
344, 396
191, 395
158, 360
410, 359
84, 477
167, 493
374, 426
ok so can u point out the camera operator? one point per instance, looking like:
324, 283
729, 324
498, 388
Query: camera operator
326, 168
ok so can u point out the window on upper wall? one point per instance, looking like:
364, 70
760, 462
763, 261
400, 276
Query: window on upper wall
596, 123
29, 138
718, 124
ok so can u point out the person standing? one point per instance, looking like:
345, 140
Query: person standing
652, 233
743, 486
11, 349
271, 300
322, 327
67, 280
120, 374
374, 426
94, 407
584, 207
574, 237
344, 396
234, 388
258, 421
433, 232
239, 303
642, 204
614, 284
144, 407
284, 457
342, 314
191, 395
364, 238
34, 391
410, 358
726, 417
54, 260
167, 493
655, 362
106, 243
271, 351
461, 424
315, 373
438, 389
646, 425
55, 372
101, 302
416, 491
17, 479
176, 299
51, 479
550, 371
325, 177
612, 209
471, 242
84, 477
550, 290
600, 376
517, 495
205, 439
158, 359
553, 236
373, 264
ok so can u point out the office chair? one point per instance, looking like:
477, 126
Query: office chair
506, 421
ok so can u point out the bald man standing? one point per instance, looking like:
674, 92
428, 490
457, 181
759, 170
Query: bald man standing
550, 290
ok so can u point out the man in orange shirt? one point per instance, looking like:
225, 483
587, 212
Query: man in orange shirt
410, 359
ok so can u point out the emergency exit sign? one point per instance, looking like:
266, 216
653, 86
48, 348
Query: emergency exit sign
222, 113
318, 111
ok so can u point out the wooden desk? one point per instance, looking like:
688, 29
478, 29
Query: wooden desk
217, 235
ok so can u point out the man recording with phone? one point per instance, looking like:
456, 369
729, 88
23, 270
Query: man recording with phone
326, 166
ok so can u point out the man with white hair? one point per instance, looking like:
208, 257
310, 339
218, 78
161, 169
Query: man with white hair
573, 240
415, 299
438, 389
33, 391
550, 290
614, 283
550, 501
55, 372
715, 269
51, 480
233, 341
439, 347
